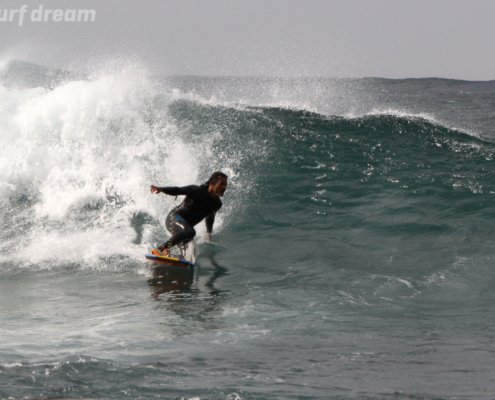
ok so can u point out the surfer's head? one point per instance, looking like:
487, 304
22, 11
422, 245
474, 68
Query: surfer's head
217, 184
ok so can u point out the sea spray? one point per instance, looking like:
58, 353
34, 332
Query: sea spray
77, 162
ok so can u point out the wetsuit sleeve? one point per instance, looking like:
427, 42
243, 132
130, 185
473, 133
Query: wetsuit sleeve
178, 191
209, 220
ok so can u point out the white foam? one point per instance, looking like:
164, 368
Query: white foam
85, 154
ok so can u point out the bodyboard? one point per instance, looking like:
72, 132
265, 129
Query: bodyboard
169, 260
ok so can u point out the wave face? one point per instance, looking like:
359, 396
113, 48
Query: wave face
352, 257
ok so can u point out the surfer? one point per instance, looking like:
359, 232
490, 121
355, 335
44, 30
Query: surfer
201, 202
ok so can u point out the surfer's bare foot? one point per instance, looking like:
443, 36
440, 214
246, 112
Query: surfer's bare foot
163, 250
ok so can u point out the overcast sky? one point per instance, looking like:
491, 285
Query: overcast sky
347, 38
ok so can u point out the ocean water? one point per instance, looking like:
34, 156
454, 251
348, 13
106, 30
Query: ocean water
353, 258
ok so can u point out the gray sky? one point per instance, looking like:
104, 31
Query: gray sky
351, 38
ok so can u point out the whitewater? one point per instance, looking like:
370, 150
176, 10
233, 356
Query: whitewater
352, 259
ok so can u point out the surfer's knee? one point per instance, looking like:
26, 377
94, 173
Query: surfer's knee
191, 232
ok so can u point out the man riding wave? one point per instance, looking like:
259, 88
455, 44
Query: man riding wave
201, 202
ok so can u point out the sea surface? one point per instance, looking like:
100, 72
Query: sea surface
354, 256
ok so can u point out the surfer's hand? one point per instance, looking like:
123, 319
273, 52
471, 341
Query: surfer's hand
154, 189
207, 237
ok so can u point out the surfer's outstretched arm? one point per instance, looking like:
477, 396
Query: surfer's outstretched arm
173, 190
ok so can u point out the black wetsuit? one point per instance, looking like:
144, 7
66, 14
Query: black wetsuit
197, 206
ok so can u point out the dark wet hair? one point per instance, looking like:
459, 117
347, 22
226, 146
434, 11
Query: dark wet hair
214, 178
